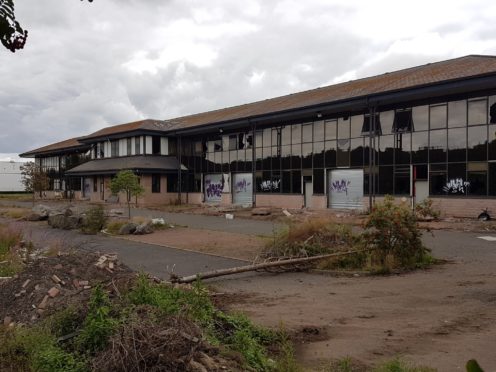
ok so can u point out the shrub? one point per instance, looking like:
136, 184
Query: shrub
425, 209
397, 365
95, 220
113, 227
393, 231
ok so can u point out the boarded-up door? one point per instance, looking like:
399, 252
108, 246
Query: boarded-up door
242, 188
213, 186
345, 188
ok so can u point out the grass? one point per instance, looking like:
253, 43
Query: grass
14, 212
16, 196
10, 262
398, 365
114, 226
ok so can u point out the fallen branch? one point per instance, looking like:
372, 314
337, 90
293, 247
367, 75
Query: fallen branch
254, 267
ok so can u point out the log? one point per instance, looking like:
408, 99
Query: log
243, 269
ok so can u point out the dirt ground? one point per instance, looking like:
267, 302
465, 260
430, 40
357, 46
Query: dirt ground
231, 245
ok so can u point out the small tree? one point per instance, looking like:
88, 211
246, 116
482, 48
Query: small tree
34, 178
126, 181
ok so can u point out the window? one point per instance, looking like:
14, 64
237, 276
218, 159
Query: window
343, 153
344, 128
437, 146
438, 116
420, 144
307, 133
114, 148
233, 142
286, 135
95, 184
296, 133
129, 146
437, 179
420, 117
386, 182
402, 180
318, 131
368, 126
156, 183
386, 149
402, 121
477, 112
137, 145
318, 181
457, 114
198, 148
331, 129
172, 182
99, 150
296, 182
477, 178
477, 143
492, 113
402, 148
457, 144
156, 145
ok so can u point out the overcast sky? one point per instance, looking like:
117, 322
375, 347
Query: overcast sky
90, 65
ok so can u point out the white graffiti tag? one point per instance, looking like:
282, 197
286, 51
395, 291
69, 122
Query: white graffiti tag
270, 185
456, 186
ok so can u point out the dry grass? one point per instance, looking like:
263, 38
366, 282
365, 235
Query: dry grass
10, 261
15, 212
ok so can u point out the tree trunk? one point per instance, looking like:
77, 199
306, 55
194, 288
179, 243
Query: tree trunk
242, 269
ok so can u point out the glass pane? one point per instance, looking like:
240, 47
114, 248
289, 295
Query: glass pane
343, 153
402, 148
356, 153
267, 134
286, 157
296, 133
296, 156
307, 132
276, 158
286, 182
259, 138
438, 116
492, 179
492, 142
420, 144
477, 143
387, 119
286, 135
267, 156
457, 114
457, 144
296, 182
420, 116
457, 183
477, 112
386, 180
318, 131
318, 181
318, 155
356, 126
386, 149
437, 181
331, 127
307, 155
330, 154
492, 109
437, 146
478, 182
343, 128
402, 180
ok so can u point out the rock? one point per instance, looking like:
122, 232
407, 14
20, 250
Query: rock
207, 362
66, 221
116, 212
72, 222
196, 367
260, 212
43, 211
158, 221
53, 292
44, 303
128, 228
57, 221
144, 228
33, 217
7, 320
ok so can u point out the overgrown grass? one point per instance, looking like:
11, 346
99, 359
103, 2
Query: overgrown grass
14, 212
398, 365
114, 226
16, 196
95, 220
10, 262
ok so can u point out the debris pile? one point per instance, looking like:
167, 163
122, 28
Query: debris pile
53, 283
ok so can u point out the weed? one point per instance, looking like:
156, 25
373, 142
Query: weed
65, 321
113, 227
95, 220
99, 324
425, 209
397, 365
10, 261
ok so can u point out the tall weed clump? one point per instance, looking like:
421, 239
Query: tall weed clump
392, 230
10, 261
95, 220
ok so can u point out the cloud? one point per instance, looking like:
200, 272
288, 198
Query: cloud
86, 66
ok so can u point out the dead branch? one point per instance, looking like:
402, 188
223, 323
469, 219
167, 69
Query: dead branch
254, 267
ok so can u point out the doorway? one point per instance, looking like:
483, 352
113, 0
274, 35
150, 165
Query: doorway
308, 190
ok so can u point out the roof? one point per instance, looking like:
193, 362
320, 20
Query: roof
452, 70
72, 143
139, 163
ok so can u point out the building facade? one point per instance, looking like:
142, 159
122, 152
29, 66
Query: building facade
11, 177
427, 131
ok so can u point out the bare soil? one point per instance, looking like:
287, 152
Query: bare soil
218, 243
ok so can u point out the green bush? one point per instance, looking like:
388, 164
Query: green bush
425, 209
98, 325
397, 365
95, 220
393, 231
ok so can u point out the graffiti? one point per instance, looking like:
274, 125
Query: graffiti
456, 186
340, 186
270, 185
213, 189
241, 186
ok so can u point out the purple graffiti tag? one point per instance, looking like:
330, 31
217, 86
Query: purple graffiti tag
213, 189
340, 186
241, 186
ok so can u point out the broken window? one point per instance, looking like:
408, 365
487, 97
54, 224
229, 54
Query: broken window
403, 121
367, 125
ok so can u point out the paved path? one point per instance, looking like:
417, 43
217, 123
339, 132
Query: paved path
153, 259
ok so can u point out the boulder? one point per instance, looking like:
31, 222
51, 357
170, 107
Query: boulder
144, 228
260, 212
128, 228
72, 222
63, 221
35, 217
57, 221
41, 210
158, 221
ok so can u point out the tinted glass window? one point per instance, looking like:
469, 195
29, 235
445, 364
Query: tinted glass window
457, 114
330, 154
156, 145
402, 148
386, 177
259, 138
286, 135
307, 133
402, 121
492, 179
477, 143
296, 133
437, 181
307, 155
296, 182
438, 116
437, 146
318, 181
267, 137
457, 183
477, 178
331, 127
402, 180
343, 153
420, 144
286, 157
318, 155
420, 116
457, 144
296, 156
318, 131
156, 183
356, 153
492, 142
367, 125
492, 109
477, 112
356, 125
286, 182
386, 149
343, 128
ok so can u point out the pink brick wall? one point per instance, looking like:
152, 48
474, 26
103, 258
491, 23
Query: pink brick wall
280, 201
